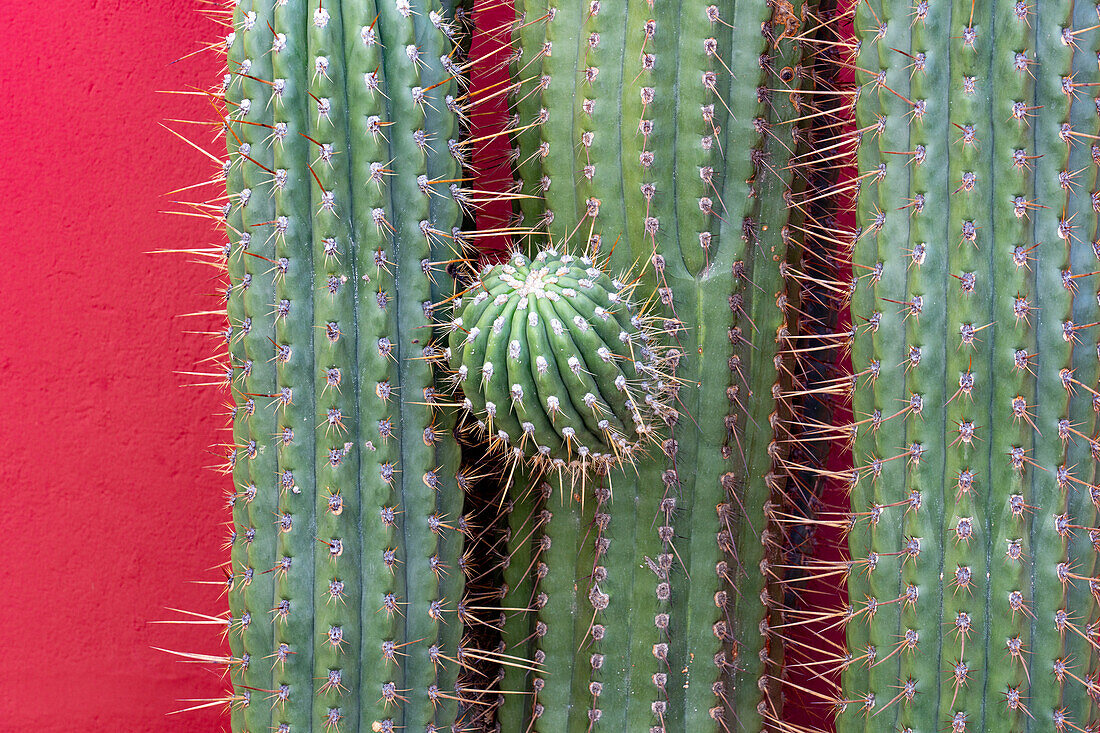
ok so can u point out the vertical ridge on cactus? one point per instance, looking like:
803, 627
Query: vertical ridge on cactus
973, 520
344, 205
257, 491
294, 331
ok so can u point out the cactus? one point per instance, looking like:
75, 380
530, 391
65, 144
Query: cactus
346, 569
973, 544
590, 400
643, 596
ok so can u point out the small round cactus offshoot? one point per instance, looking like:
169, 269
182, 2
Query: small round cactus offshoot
556, 364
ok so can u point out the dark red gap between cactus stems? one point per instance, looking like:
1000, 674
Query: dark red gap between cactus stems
806, 700
809, 693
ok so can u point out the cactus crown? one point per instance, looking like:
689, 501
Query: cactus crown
558, 367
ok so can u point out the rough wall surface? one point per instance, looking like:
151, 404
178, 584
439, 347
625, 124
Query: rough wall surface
100, 448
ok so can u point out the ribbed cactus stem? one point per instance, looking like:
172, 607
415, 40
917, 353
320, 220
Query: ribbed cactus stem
295, 336
658, 140
522, 538
973, 559
238, 455
343, 567
343, 209
260, 493
1014, 39
525, 69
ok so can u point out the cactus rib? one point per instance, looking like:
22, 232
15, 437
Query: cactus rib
641, 164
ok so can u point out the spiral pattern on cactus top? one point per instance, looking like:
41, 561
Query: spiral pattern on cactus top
556, 364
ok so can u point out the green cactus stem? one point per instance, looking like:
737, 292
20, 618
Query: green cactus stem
657, 141
343, 205
973, 530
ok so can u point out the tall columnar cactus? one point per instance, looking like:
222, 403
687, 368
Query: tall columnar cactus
655, 140
973, 531
342, 127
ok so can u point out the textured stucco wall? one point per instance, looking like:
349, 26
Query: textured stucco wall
108, 511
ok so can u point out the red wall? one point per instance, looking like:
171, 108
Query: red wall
108, 511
